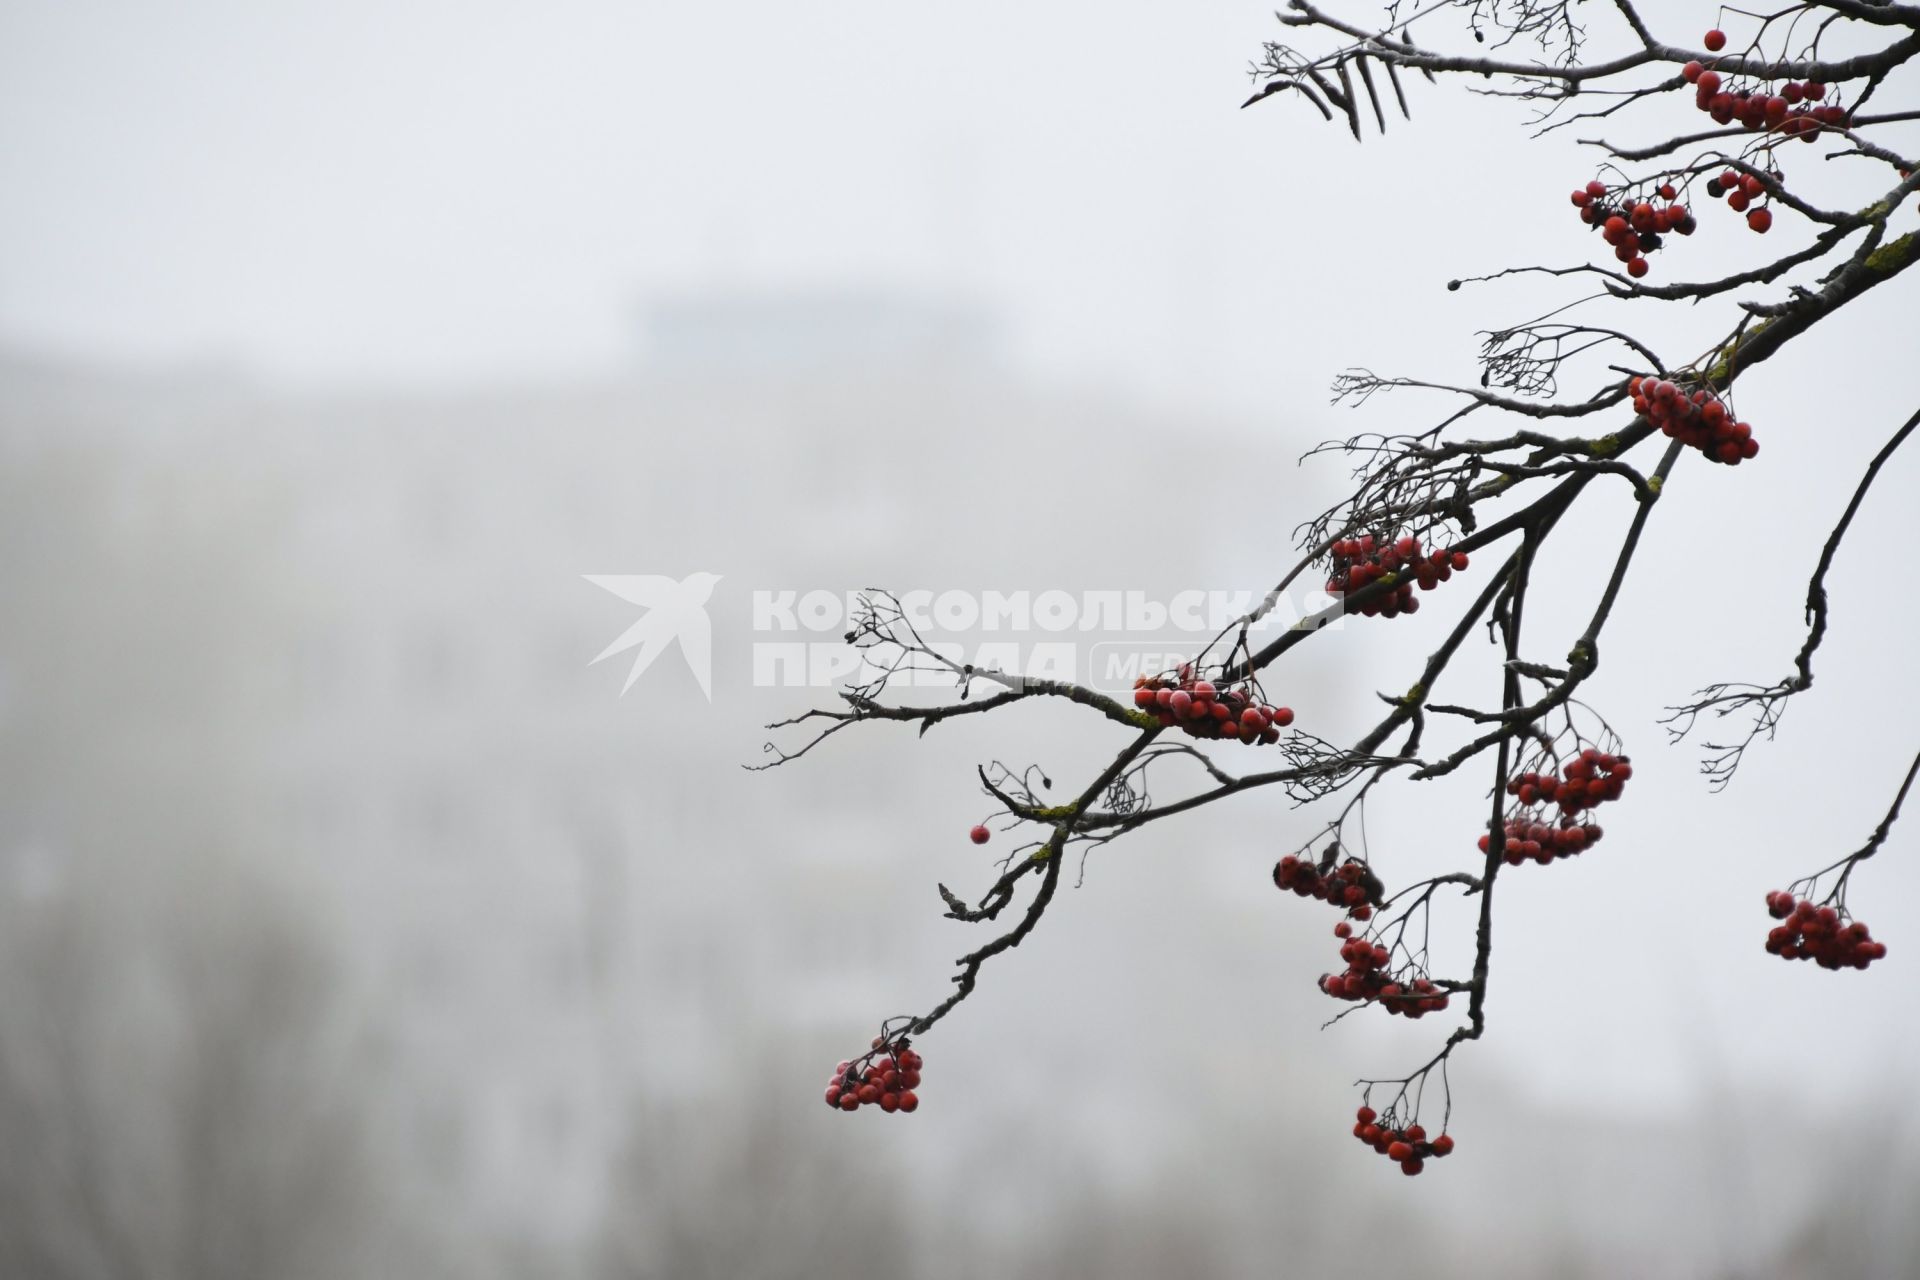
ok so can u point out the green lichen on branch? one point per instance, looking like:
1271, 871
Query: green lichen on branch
1894, 255
1721, 372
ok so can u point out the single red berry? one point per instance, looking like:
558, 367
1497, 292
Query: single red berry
1399, 1151
909, 1100
1412, 1166
1716, 40
1691, 72
1637, 268
1708, 84
1760, 219
1366, 1115
980, 834
1442, 1145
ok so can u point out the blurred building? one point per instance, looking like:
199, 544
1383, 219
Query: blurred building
377, 684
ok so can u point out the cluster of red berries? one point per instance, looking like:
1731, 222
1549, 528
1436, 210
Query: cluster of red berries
1202, 711
1701, 419
1351, 885
1741, 190
1795, 110
1588, 778
1528, 837
885, 1078
1359, 562
1367, 978
1816, 933
1633, 227
1410, 1148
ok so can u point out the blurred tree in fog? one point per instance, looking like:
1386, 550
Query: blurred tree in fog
177, 1065
710, 1191
177, 1092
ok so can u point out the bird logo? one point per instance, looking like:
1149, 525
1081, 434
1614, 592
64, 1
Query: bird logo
674, 611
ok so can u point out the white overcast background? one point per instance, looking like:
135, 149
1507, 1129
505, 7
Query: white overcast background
332, 354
